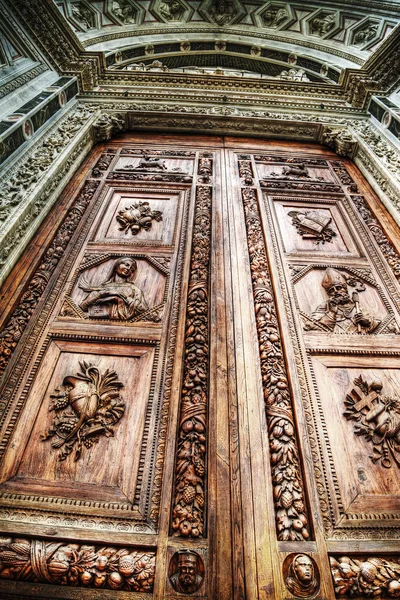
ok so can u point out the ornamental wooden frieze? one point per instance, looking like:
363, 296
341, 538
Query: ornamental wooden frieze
366, 576
287, 480
79, 565
188, 518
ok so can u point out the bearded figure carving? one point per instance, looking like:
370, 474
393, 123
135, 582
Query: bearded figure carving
341, 313
186, 577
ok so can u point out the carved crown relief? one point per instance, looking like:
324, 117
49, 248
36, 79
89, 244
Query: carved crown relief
117, 289
86, 405
340, 303
377, 419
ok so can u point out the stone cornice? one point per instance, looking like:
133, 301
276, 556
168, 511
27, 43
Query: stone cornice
55, 38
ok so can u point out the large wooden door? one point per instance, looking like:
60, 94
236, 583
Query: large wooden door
200, 374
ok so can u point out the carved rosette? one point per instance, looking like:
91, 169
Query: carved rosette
288, 488
78, 565
13, 331
190, 471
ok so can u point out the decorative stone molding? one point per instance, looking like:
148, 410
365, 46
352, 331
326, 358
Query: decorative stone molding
108, 125
340, 140
59, 44
30, 186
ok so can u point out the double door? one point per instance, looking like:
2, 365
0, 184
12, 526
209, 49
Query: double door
200, 380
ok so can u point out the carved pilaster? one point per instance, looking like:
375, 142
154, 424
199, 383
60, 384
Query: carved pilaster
287, 480
190, 473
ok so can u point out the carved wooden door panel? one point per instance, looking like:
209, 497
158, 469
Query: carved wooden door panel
199, 380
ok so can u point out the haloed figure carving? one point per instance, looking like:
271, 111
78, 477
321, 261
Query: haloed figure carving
187, 578
117, 297
301, 580
341, 313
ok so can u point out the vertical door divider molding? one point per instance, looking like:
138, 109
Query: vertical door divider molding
292, 519
189, 500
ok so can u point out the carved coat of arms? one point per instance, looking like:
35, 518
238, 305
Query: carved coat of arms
377, 419
86, 406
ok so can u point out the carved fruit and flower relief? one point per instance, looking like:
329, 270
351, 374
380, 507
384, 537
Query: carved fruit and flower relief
370, 577
86, 406
190, 472
136, 217
377, 419
78, 565
289, 500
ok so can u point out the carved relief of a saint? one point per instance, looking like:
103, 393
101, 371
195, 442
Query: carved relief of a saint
301, 579
341, 313
172, 10
117, 297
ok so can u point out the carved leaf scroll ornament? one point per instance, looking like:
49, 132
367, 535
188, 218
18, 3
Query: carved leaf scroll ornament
138, 216
78, 565
377, 419
86, 406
